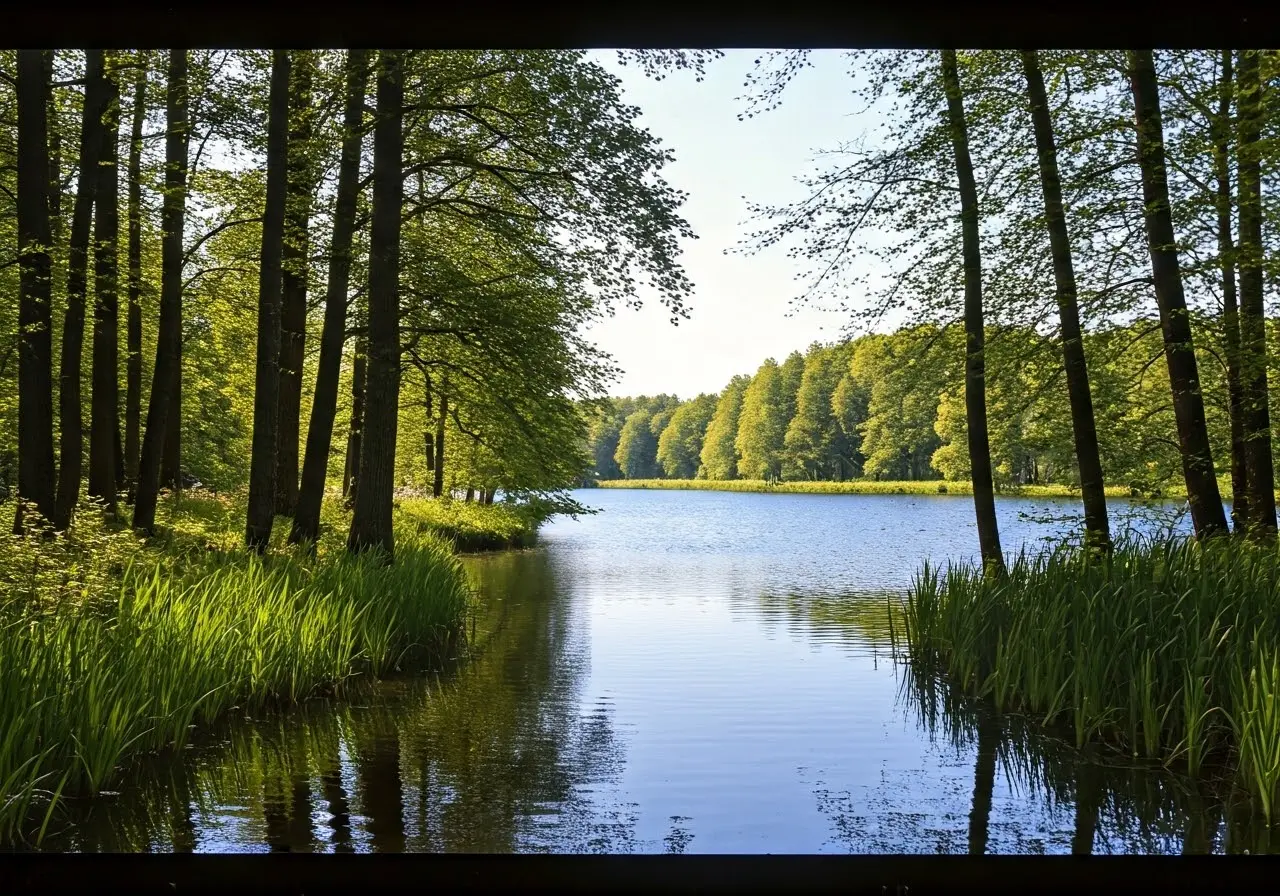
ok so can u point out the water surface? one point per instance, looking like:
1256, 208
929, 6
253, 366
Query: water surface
682, 672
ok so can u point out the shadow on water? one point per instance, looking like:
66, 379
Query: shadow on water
497, 756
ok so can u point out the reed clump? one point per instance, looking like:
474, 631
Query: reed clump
1165, 650
471, 526
111, 647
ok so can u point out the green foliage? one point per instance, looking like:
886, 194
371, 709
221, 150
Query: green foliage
719, 449
680, 444
762, 424
469, 526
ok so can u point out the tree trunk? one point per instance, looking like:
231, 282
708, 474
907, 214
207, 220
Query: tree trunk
262, 463
171, 457
104, 410
1230, 317
324, 407
169, 333
358, 376
1253, 335
371, 522
70, 407
1083, 424
975, 396
471, 494
1207, 514
36, 470
133, 343
55, 173
437, 488
295, 264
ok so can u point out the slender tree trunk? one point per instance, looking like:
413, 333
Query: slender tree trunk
1253, 335
36, 470
1203, 497
169, 332
359, 374
975, 395
171, 457
133, 338
471, 494
104, 411
293, 301
1083, 424
55, 173
262, 464
371, 521
437, 488
324, 407
69, 399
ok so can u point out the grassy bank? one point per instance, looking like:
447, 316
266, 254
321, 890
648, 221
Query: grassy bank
850, 487
1168, 651
111, 648
471, 527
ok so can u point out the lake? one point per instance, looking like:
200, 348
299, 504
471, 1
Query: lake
681, 672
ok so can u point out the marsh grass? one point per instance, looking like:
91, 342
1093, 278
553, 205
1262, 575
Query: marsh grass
112, 648
1167, 651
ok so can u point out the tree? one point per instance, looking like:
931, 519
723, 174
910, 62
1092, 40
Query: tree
69, 396
262, 469
371, 520
133, 338
637, 446
680, 444
814, 443
306, 519
975, 397
1084, 426
104, 410
301, 187
762, 424
1259, 470
169, 331
1207, 514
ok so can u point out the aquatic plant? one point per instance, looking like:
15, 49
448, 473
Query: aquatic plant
1167, 650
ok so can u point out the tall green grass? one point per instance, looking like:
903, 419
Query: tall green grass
470, 526
110, 648
1167, 650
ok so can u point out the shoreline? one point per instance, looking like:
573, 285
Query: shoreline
929, 487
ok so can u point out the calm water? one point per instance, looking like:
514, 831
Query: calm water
683, 672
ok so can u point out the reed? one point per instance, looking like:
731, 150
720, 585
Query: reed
111, 648
1166, 650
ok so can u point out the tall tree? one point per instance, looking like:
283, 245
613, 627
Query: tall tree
975, 393
719, 452
1083, 424
359, 374
1207, 515
1221, 135
104, 411
169, 331
133, 335
762, 424
371, 520
262, 463
36, 472
300, 189
1259, 465
70, 409
324, 406
437, 465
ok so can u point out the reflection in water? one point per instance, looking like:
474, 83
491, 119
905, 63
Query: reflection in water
687, 672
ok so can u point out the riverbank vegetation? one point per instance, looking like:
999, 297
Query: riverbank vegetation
857, 487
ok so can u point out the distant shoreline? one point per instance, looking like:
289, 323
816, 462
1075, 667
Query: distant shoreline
872, 487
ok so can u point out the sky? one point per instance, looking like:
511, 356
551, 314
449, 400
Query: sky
740, 304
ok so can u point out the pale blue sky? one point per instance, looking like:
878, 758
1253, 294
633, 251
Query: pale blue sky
738, 313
